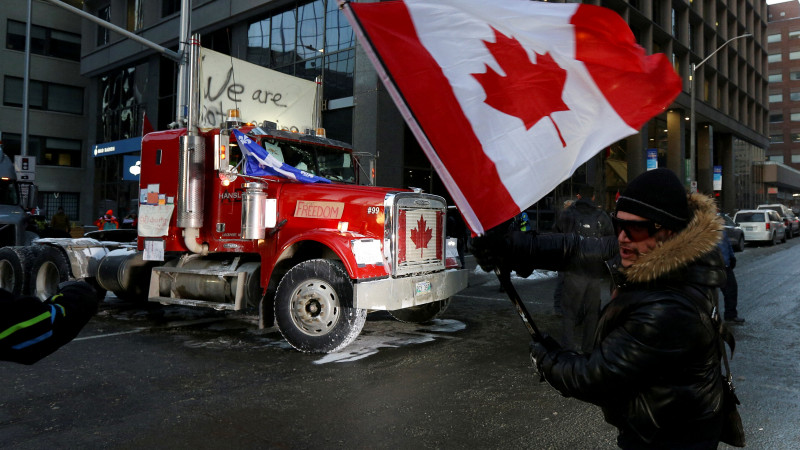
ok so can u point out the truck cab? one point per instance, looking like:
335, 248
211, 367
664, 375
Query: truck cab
311, 258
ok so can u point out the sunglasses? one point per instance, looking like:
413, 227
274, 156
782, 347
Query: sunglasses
635, 230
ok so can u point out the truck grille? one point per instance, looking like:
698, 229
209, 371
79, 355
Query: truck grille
416, 232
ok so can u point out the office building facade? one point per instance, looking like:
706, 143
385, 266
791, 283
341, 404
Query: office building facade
783, 38
58, 104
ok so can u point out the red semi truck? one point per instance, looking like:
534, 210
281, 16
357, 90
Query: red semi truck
311, 258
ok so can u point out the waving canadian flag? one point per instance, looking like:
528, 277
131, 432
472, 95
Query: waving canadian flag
508, 97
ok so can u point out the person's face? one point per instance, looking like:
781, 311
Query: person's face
636, 236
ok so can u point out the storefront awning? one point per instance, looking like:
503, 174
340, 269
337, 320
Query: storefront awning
117, 147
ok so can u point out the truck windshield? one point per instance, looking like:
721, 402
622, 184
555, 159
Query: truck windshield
331, 163
336, 165
8, 193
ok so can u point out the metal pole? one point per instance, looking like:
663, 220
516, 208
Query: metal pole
26, 83
135, 37
692, 126
182, 97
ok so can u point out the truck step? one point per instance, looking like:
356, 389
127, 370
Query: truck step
190, 302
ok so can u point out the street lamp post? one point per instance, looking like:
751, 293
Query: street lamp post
692, 126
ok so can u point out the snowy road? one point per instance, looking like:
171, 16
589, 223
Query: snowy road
174, 377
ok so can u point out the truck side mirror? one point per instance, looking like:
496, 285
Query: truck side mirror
29, 193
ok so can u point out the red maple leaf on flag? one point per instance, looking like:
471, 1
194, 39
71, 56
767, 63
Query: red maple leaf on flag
529, 90
422, 234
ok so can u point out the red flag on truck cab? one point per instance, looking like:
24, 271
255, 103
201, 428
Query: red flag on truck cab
508, 98
147, 127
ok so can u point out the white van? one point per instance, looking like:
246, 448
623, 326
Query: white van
761, 225
789, 218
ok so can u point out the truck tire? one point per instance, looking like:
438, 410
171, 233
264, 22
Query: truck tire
48, 268
15, 263
422, 313
314, 307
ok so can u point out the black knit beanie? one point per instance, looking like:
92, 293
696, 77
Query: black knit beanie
657, 195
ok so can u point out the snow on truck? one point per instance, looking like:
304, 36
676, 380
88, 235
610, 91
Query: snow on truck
311, 258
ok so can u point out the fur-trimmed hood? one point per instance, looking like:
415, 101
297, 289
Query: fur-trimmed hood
700, 237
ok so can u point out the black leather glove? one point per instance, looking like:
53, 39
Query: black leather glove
491, 248
541, 349
520, 246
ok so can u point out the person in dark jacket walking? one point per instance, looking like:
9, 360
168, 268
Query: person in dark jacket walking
31, 329
730, 291
655, 369
581, 291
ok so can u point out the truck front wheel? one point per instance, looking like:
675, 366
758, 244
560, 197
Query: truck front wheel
314, 307
422, 313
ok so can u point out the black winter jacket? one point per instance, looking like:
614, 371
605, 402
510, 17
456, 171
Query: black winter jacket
655, 369
31, 329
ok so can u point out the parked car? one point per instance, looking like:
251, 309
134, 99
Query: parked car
734, 232
761, 225
789, 218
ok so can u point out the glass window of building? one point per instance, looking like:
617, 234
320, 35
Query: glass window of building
775, 98
49, 202
794, 76
675, 28
774, 57
794, 96
794, 55
282, 43
776, 138
169, 7
774, 38
795, 158
310, 30
795, 117
44, 41
775, 78
103, 36
44, 95
794, 35
134, 19
795, 137
49, 151
775, 158
775, 118
122, 103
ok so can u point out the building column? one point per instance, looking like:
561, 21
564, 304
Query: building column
637, 153
705, 159
676, 139
379, 124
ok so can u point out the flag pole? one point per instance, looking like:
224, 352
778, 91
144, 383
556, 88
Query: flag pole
458, 197
505, 281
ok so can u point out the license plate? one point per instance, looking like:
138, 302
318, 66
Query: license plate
423, 287
749, 228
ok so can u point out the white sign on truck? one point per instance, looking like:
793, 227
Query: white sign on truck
259, 93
